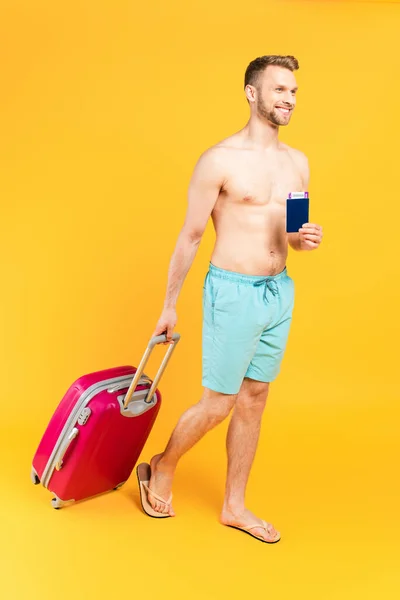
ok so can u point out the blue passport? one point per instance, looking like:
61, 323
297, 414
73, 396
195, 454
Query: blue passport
297, 211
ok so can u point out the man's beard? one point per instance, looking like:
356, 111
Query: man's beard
272, 116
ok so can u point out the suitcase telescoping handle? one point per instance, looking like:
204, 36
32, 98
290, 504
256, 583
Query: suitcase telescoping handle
159, 339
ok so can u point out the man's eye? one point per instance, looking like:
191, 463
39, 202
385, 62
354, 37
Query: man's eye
279, 89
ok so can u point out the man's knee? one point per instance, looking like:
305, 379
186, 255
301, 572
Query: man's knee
252, 396
217, 405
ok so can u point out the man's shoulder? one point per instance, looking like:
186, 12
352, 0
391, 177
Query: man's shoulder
219, 154
297, 155
223, 147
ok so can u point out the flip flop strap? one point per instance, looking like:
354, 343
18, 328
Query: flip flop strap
157, 497
254, 527
264, 525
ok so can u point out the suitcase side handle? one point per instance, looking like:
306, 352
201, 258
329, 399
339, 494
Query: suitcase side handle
159, 339
66, 445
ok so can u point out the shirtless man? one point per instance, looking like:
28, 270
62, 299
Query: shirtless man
242, 183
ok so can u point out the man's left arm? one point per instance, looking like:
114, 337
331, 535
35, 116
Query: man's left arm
310, 235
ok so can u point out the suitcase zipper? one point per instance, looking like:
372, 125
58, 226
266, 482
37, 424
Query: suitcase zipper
86, 397
120, 386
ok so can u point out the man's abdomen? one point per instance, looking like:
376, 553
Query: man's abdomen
249, 256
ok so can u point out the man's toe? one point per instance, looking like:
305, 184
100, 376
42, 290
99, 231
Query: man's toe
272, 533
263, 534
266, 533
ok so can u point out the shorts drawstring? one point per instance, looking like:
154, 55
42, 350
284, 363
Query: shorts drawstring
270, 285
270, 282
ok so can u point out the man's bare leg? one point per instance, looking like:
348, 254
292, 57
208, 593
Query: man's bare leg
242, 440
212, 409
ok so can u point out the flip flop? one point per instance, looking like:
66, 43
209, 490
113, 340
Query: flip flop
257, 537
143, 472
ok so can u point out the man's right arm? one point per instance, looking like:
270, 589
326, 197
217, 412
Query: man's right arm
204, 188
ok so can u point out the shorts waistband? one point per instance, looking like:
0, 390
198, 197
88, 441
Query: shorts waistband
246, 279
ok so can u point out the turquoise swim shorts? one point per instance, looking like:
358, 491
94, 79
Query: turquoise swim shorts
246, 322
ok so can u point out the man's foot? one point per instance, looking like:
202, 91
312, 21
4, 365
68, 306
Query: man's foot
161, 484
246, 521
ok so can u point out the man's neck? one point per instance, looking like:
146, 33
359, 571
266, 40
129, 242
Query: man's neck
262, 135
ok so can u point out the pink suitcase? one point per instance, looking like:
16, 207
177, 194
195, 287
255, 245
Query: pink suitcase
98, 431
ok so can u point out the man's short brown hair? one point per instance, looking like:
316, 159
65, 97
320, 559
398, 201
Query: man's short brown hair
258, 65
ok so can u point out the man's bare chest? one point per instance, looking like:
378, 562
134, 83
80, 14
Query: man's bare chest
260, 185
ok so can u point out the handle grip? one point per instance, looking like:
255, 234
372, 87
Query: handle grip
159, 339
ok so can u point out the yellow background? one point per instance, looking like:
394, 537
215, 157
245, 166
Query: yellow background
105, 108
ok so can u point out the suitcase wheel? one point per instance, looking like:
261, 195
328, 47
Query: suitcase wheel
57, 503
34, 477
117, 487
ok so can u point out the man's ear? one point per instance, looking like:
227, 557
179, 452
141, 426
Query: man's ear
250, 92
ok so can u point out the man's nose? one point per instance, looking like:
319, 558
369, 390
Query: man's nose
288, 99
